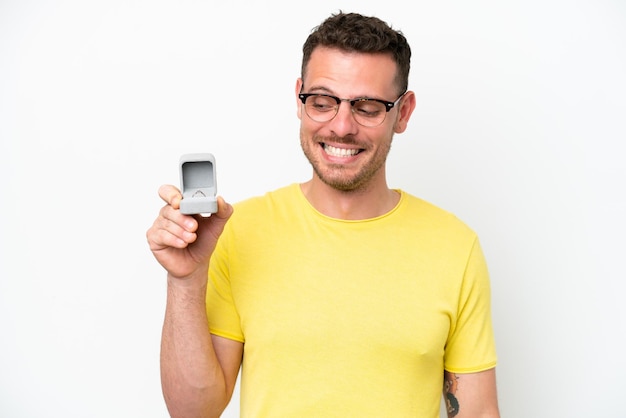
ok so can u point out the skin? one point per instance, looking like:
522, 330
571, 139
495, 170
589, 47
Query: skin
352, 187
471, 394
199, 370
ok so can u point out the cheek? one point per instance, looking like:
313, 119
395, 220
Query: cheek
308, 128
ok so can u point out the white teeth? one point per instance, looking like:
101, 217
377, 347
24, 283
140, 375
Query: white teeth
340, 152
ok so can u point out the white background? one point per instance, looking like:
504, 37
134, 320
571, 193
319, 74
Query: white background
519, 130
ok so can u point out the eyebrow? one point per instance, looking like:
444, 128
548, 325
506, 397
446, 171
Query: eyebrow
325, 90
319, 89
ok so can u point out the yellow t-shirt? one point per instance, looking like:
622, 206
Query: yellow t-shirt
349, 318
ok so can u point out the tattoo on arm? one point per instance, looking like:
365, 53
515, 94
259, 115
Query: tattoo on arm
450, 386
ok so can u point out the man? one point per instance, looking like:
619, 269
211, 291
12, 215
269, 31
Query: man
340, 296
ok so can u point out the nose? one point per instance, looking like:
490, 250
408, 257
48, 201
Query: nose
343, 123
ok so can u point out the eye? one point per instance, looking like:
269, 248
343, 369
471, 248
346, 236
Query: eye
321, 103
368, 108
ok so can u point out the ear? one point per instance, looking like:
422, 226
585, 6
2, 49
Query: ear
406, 108
298, 101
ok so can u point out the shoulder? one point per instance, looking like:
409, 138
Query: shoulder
416, 211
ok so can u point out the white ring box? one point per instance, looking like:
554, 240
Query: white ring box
198, 184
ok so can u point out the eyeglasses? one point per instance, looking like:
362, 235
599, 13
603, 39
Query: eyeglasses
367, 112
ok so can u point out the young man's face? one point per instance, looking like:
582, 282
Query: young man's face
344, 154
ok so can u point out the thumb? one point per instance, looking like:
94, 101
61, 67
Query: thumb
210, 228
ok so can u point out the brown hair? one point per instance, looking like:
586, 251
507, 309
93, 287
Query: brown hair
353, 32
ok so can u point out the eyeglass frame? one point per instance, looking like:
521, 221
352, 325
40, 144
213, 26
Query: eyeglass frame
388, 105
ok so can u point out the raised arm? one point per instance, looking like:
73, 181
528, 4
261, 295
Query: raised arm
471, 395
198, 370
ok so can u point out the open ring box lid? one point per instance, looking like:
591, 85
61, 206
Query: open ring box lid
198, 184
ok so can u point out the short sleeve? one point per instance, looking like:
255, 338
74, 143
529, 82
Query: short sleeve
471, 345
222, 313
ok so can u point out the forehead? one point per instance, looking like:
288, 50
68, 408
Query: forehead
351, 74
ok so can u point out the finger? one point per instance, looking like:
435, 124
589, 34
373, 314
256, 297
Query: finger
160, 239
210, 228
175, 220
224, 209
167, 233
170, 195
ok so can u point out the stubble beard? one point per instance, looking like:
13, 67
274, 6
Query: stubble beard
334, 175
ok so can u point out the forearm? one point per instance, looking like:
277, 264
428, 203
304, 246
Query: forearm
191, 376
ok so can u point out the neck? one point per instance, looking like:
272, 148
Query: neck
364, 203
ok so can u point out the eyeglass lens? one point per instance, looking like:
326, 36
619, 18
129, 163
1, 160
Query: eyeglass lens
366, 112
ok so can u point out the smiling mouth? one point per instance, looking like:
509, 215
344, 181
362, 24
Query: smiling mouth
340, 152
